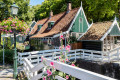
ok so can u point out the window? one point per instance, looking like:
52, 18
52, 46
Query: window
39, 27
50, 25
20, 38
80, 20
80, 24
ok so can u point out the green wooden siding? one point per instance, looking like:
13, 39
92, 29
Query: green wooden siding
80, 24
115, 31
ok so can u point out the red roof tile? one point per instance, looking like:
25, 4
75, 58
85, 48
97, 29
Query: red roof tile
62, 23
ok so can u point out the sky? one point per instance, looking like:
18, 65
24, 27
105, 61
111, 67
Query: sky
35, 2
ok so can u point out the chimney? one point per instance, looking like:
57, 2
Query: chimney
51, 13
69, 6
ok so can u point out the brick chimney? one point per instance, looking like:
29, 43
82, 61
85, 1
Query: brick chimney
69, 6
51, 13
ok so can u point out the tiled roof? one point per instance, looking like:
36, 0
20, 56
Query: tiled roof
62, 23
45, 23
96, 31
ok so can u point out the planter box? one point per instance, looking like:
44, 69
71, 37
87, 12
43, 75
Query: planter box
76, 45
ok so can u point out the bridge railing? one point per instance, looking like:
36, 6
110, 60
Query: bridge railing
82, 74
35, 57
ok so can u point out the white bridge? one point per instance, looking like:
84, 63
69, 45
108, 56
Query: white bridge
32, 62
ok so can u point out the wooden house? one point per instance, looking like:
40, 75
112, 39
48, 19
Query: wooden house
71, 22
101, 36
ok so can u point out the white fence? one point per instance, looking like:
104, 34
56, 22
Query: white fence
35, 57
21, 56
32, 71
113, 55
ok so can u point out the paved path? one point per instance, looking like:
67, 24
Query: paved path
6, 74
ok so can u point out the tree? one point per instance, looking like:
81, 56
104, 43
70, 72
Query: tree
98, 10
25, 12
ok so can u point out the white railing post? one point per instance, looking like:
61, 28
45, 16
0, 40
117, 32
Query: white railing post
102, 56
118, 54
83, 54
53, 55
75, 55
108, 57
92, 55
38, 60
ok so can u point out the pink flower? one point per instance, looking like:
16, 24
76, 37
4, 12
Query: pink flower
67, 77
73, 64
44, 78
51, 63
67, 60
63, 61
10, 30
60, 47
42, 59
68, 47
61, 37
59, 58
49, 72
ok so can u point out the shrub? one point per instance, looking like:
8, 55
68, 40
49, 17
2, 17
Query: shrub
8, 56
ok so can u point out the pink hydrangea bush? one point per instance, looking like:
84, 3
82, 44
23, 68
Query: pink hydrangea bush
14, 23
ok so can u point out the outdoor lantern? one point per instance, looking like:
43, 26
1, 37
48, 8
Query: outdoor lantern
14, 9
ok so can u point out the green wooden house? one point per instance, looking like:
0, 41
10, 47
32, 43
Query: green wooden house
101, 36
71, 22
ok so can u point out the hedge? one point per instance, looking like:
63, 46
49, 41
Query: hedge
8, 56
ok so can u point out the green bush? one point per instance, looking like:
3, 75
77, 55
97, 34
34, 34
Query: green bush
8, 56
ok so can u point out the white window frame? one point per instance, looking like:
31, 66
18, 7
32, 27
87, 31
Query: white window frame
80, 22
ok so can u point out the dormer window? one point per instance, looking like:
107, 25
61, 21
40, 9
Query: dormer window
50, 25
39, 27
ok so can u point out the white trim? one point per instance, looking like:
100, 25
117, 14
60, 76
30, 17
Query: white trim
115, 22
57, 35
32, 28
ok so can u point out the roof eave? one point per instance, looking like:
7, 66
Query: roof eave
109, 30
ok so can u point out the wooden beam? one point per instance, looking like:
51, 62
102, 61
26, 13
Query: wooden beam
106, 44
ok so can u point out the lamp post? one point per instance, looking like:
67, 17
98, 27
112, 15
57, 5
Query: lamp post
14, 11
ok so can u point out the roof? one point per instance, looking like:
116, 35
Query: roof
97, 30
62, 23
45, 22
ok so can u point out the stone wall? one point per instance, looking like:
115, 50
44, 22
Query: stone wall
107, 69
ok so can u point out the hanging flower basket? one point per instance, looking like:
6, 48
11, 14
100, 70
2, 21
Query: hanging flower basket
14, 25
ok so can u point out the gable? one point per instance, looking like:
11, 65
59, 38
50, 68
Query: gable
115, 31
80, 25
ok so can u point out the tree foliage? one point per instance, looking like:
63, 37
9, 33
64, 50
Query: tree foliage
25, 12
96, 10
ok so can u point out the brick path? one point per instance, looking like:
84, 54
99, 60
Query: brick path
6, 74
